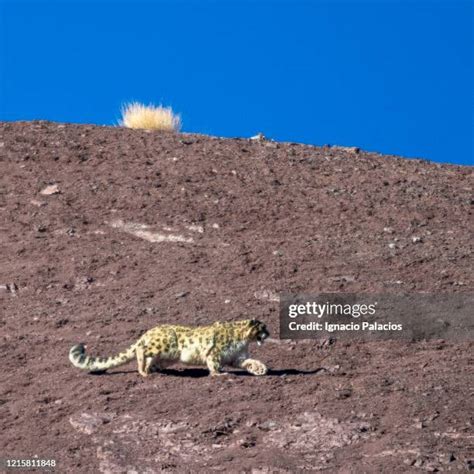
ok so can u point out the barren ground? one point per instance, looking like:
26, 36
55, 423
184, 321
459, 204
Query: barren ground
145, 228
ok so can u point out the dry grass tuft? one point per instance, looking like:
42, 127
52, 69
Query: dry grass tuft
150, 117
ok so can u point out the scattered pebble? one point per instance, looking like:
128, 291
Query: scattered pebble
9, 288
51, 189
350, 149
267, 295
182, 294
343, 278
196, 228
37, 203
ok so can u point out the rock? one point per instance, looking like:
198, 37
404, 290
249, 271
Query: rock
37, 203
332, 369
343, 278
267, 425
392, 245
51, 189
83, 283
343, 394
267, 295
327, 341
247, 443
350, 149
182, 294
417, 240
9, 288
196, 228
88, 423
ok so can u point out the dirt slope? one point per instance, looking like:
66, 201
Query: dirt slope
141, 228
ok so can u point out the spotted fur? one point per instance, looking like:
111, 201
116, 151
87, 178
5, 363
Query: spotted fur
213, 346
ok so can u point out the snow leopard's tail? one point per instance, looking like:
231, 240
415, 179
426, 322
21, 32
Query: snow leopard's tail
79, 358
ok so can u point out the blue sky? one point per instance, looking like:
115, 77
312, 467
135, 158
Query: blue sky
388, 76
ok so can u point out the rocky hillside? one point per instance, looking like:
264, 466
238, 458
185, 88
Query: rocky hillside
106, 232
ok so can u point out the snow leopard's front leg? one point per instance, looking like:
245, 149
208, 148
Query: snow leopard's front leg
253, 366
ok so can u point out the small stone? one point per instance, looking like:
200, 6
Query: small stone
88, 423
227, 301
267, 295
12, 288
350, 149
267, 425
343, 394
388, 230
51, 189
392, 245
215, 226
37, 203
196, 228
247, 443
343, 278
416, 240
